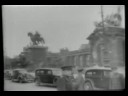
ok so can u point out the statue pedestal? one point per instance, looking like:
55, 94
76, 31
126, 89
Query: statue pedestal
36, 55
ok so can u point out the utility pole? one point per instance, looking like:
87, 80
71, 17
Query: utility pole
102, 17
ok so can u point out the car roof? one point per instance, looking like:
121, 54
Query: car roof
98, 68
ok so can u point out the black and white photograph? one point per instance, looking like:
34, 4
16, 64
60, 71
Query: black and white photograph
64, 47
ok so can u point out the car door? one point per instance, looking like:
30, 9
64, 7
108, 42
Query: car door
46, 76
49, 76
105, 79
97, 78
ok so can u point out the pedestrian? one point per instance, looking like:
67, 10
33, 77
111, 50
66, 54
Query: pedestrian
117, 81
65, 82
79, 81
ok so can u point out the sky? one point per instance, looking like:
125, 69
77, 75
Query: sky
60, 25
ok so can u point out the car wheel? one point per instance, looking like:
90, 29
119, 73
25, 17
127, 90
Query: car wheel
37, 82
34, 80
20, 80
88, 86
12, 79
55, 81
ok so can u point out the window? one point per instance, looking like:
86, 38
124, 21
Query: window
42, 72
89, 73
97, 73
38, 72
106, 73
49, 72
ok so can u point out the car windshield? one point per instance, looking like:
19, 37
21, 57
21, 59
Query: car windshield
94, 73
49, 72
44, 71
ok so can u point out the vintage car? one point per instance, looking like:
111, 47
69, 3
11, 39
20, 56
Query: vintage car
21, 75
8, 74
97, 78
47, 76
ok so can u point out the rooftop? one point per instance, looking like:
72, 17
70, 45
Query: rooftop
108, 30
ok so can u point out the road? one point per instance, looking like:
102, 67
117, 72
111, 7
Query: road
13, 86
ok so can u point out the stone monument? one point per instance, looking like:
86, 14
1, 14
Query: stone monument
36, 51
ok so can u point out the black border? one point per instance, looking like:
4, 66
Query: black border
121, 93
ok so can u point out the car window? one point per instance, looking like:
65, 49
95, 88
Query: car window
49, 72
89, 73
38, 72
97, 73
94, 73
42, 72
106, 73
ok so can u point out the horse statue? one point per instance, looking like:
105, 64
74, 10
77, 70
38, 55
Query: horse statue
36, 39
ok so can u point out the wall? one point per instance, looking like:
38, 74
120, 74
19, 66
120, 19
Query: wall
108, 49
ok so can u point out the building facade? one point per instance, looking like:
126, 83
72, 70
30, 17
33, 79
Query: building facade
78, 58
108, 46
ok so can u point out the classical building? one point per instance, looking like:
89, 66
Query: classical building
52, 58
107, 46
80, 58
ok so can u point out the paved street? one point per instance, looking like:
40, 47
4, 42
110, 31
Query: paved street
12, 86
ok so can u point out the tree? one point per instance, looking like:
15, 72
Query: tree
14, 63
7, 62
111, 20
23, 62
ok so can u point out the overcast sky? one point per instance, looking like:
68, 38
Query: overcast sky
60, 26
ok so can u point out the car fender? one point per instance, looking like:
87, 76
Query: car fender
89, 80
56, 77
21, 76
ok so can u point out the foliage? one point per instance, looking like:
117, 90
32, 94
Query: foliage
19, 62
111, 20
23, 62
7, 62
14, 63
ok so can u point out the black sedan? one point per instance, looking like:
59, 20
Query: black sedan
47, 76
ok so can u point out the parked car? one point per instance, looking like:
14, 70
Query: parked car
21, 75
97, 78
47, 76
8, 74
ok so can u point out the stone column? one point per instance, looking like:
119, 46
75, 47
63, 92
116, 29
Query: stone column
116, 52
84, 60
75, 60
81, 60
121, 51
